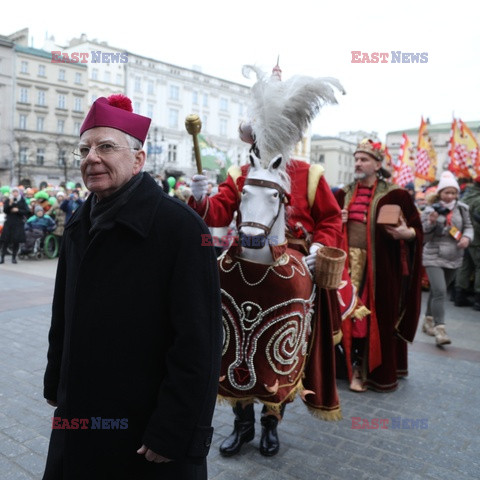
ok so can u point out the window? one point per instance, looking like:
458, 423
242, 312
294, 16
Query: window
137, 107
240, 109
118, 79
76, 129
224, 104
172, 153
24, 67
23, 155
223, 126
195, 98
94, 73
24, 95
40, 123
62, 101
174, 92
321, 158
78, 77
61, 74
78, 104
41, 98
150, 110
22, 124
138, 84
107, 77
151, 88
173, 118
41, 70
40, 156
60, 126
205, 100
62, 158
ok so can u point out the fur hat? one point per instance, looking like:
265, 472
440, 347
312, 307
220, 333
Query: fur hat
116, 112
447, 180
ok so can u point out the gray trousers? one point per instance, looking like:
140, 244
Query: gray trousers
439, 279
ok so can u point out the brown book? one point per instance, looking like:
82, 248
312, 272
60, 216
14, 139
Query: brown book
390, 215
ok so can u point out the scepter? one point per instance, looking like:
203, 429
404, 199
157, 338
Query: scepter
193, 124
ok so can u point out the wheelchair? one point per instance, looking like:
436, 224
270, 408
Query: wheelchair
39, 245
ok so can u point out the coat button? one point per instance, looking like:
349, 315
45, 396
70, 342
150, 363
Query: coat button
208, 441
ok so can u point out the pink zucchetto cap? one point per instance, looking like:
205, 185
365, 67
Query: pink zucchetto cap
116, 112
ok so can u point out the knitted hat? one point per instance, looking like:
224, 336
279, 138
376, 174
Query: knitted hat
447, 180
38, 208
116, 112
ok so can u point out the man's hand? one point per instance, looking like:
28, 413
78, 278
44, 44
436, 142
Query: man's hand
402, 232
199, 186
151, 456
463, 243
433, 217
310, 259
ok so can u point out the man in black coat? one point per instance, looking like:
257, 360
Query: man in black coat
135, 340
16, 211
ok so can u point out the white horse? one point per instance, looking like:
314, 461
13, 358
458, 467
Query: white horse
267, 297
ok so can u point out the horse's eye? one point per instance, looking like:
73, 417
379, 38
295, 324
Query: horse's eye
275, 195
243, 192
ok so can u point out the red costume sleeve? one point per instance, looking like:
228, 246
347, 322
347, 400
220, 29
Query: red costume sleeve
327, 217
218, 210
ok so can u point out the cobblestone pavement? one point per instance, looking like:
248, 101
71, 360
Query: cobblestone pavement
442, 394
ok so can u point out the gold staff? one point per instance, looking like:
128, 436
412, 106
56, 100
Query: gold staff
193, 124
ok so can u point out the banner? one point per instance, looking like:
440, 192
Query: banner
404, 166
213, 158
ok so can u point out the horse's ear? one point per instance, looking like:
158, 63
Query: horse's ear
275, 163
254, 161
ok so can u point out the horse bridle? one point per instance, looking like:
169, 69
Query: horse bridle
283, 197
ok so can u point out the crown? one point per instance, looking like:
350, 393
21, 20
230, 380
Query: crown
375, 149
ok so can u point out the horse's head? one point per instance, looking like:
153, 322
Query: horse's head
262, 206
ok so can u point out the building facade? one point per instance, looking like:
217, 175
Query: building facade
7, 59
335, 154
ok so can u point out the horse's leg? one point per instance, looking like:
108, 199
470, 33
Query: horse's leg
243, 430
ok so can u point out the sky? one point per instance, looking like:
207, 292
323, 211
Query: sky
311, 37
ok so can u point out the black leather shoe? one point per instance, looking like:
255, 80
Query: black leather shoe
243, 432
269, 444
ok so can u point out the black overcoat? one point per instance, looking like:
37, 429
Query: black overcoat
135, 340
13, 228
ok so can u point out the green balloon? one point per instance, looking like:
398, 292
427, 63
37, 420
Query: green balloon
42, 194
70, 185
171, 181
52, 200
5, 189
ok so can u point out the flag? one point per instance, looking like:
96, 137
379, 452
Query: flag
473, 153
213, 158
426, 159
463, 152
403, 168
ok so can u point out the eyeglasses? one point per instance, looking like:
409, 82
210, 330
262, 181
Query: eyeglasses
102, 150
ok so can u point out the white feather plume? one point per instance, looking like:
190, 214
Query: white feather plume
280, 111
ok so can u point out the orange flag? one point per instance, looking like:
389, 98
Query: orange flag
426, 160
464, 153
403, 169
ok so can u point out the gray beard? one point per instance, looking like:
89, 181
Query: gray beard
360, 176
